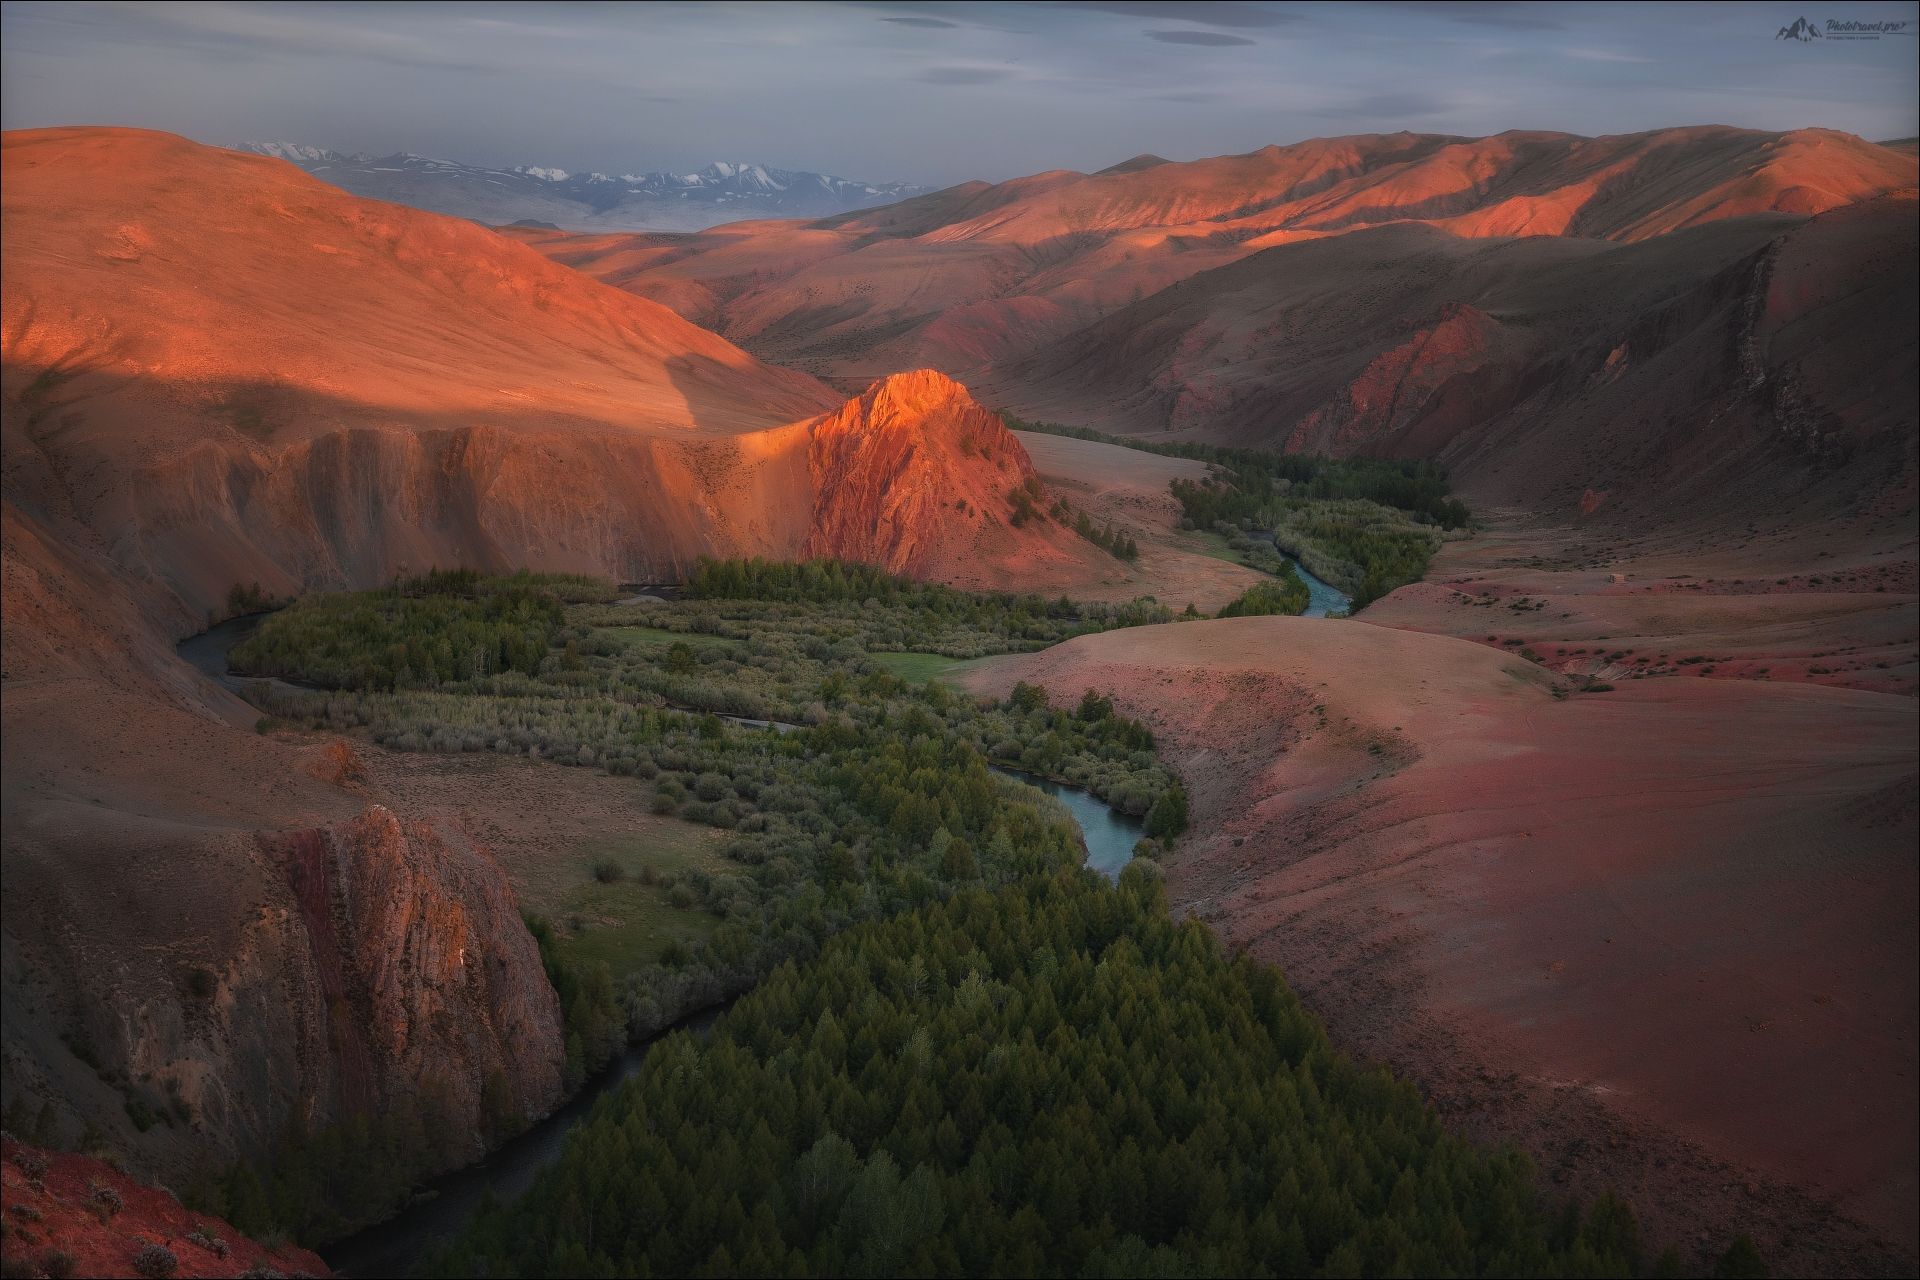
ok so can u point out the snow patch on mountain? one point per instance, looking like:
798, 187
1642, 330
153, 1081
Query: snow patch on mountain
724, 191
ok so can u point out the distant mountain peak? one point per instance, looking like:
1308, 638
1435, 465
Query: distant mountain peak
724, 191
296, 152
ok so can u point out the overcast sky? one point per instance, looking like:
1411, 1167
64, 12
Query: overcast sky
933, 93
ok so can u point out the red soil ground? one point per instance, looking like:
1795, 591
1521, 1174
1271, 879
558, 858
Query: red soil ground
1663, 936
59, 1214
1711, 609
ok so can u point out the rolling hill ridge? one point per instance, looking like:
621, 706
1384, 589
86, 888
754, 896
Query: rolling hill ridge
963, 278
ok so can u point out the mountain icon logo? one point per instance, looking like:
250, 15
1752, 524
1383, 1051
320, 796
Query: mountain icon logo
1802, 30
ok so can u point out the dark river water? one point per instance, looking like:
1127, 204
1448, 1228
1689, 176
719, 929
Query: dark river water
443, 1208
208, 650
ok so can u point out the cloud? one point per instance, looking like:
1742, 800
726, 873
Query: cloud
1215, 39
1046, 85
1515, 15
1206, 13
226, 28
962, 75
923, 22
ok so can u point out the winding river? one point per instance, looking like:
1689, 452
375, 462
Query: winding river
1323, 598
442, 1208
207, 652
1109, 834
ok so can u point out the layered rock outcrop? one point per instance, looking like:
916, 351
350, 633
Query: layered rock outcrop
914, 475
420, 982
212, 942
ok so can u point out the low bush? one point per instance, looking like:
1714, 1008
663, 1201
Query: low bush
155, 1261
105, 1200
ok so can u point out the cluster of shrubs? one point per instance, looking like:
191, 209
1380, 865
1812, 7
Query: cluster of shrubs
423, 632
1284, 595
1363, 548
1108, 539
155, 1261
53, 1263
1025, 499
1252, 551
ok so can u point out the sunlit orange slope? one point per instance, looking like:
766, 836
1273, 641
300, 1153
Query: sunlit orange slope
203, 271
222, 370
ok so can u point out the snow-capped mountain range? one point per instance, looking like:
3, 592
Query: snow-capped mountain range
659, 201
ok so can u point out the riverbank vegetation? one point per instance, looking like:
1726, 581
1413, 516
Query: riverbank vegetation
1250, 551
1365, 525
860, 795
1285, 595
1361, 547
419, 633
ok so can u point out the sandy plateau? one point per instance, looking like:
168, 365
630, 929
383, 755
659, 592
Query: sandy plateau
1661, 936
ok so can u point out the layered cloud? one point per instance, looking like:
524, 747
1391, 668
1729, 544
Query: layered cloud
930, 92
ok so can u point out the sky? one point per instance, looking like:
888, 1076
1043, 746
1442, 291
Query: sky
933, 93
